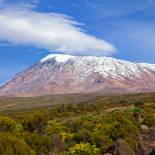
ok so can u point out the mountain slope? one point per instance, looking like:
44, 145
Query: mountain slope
63, 74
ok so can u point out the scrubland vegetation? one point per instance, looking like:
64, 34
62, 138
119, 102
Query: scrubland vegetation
92, 127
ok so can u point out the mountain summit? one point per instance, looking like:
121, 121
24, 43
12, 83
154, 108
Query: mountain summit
64, 74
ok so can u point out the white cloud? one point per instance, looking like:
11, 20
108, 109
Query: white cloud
55, 32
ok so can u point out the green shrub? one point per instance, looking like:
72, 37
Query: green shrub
35, 122
55, 128
7, 124
41, 144
124, 123
124, 102
82, 135
11, 145
149, 121
101, 139
139, 103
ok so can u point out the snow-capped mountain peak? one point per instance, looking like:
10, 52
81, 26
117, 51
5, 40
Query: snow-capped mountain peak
57, 57
148, 66
107, 66
81, 74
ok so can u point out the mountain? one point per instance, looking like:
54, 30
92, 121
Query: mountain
65, 74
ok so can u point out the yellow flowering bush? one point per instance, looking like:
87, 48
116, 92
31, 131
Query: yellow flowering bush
55, 128
83, 149
7, 124
66, 136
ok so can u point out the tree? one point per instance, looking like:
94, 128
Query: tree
137, 113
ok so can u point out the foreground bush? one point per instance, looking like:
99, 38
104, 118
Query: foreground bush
11, 145
149, 121
35, 122
7, 124
83, 149
40, 144
81, 129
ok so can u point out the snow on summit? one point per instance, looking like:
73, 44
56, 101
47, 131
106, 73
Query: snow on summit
57, 57
107, 66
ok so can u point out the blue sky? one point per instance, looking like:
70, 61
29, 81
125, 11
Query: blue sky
123, 29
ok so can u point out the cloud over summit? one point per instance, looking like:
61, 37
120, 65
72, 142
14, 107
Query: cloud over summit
52, 31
